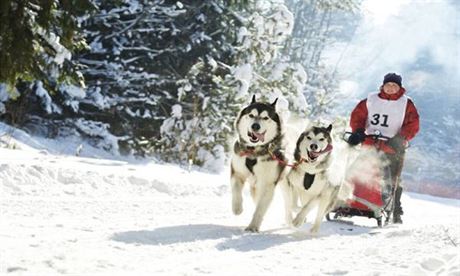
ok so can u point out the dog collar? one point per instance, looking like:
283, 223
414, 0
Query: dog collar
247, 152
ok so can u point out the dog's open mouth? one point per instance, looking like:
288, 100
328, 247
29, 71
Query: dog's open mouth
312, 155
255, 137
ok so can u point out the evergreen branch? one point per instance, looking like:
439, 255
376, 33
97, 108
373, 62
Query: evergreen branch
127, 28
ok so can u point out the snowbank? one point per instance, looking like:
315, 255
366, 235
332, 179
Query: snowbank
81, 216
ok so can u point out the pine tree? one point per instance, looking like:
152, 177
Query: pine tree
37, 39
201, 124
200, 129
318, 25
137, 67
201, 121
261, 68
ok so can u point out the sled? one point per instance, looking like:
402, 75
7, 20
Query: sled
372, 197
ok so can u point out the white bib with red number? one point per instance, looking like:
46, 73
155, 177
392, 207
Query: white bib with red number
385, 116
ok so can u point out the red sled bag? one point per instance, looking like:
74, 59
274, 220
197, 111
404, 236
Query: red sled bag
369, 177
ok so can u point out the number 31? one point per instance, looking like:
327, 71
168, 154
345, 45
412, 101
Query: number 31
376, 120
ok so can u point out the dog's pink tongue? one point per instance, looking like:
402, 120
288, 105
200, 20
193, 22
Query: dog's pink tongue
313, 154
260, 136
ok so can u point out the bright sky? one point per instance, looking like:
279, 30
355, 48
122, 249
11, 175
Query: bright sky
394, 35
378, 11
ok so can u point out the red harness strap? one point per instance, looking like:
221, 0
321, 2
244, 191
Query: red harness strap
282, 162
248, 152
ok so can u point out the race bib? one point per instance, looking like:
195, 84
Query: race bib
385, 116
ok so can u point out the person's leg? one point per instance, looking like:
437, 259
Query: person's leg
398, 211
396, 164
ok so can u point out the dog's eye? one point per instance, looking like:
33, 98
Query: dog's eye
308, 137
322, 139
264, 118
251, 116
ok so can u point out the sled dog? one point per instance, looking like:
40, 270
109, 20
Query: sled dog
257, 158
308, 180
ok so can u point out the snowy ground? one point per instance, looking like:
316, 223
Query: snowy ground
81, 216
61, 214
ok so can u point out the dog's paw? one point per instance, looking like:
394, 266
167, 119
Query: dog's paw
237, 209
252, 228
298, 221
314, 230
237, 203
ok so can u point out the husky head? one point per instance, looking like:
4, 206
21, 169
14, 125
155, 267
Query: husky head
314, 144
258, 123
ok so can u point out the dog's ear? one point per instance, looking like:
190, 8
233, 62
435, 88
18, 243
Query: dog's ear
329, 128
253, 99
274, 103
297, 154
297, 147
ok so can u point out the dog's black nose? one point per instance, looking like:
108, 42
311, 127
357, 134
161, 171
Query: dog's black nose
313, 147
255, 126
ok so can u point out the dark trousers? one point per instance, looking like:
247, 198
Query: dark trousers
396, 162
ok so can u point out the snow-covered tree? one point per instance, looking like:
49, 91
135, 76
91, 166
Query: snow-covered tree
201, 124
139, 69
37, 39
168, 77
318, 25
261, 69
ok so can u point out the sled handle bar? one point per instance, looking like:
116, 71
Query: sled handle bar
376, 136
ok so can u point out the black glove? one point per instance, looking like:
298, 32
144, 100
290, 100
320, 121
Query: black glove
397, 142
357, 137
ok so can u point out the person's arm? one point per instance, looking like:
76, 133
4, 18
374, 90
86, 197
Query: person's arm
411, 123
359, 116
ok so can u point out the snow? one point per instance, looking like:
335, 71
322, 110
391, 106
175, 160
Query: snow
73, 94
243, 74
62, 214
47, 103
53, 40
280, 23
4, 96
108, 142
97, 98
72, 91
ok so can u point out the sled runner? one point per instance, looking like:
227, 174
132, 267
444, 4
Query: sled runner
372, 196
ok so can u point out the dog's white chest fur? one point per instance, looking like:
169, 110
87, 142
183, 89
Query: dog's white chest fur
263, 169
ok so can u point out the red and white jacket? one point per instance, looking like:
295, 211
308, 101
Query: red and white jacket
410, 124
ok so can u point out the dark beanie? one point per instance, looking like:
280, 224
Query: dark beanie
392, 77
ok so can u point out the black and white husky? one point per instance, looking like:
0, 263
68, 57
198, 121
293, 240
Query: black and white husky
257, 158
308, 181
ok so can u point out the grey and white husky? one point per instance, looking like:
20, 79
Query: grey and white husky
257, 158
308, 180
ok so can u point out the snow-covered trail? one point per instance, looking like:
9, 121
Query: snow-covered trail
68, 215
